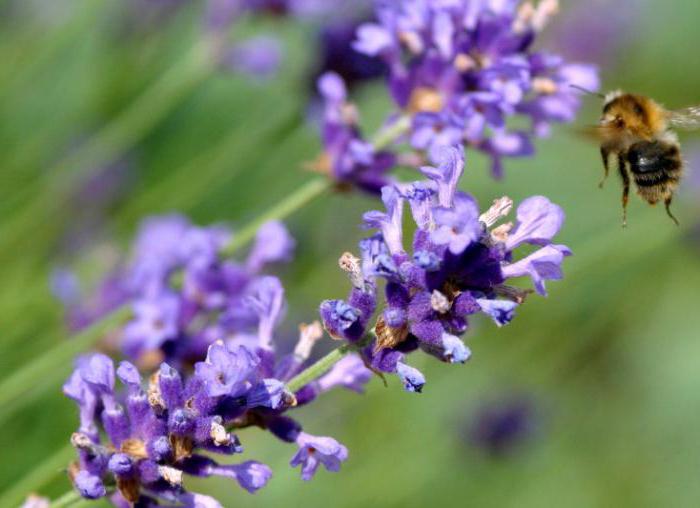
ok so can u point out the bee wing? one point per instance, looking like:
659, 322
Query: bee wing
686, 118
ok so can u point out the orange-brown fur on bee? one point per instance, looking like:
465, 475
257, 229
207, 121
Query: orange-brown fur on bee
636, 129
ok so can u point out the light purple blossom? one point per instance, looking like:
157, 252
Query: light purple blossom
225, 371
314, 451
413, 380
157, 435
89, 485
542, 265
185, 295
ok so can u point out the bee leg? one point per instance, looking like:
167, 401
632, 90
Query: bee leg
668, 210
605, 154
622, 167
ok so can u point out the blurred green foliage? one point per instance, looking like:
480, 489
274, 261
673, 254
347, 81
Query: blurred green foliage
611, 357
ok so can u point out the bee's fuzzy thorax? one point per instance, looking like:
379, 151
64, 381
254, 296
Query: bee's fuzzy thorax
635, 117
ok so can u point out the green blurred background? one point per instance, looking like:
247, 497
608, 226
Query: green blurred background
610, 360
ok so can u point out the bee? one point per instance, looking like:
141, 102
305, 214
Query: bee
638, 131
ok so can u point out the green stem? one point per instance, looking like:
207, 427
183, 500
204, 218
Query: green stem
37, 477
324, 364
284, 208
389, 135
70, 498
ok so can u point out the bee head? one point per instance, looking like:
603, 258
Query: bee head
626, 111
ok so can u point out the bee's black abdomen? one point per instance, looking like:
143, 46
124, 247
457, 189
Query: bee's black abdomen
647, 157
656, 167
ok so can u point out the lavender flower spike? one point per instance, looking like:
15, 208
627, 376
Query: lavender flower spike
459, 266
158, 437
462, 69
348, 158
185, 295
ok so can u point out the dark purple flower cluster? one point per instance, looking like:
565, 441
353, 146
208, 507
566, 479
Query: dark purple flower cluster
459, 71
157, 432
459, 266
185, 295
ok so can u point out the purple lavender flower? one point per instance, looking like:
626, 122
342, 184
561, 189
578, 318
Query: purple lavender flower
157, 433
224, 370
459, 266
348, 158
184, 295
461, 69
314, 451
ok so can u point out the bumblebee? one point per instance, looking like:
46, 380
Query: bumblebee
638, 132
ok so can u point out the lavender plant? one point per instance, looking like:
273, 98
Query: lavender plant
157, 433
201, 327
459, 266
459, 73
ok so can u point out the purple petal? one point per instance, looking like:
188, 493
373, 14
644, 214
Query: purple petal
314, 451
413, 380
542, 265
273, 244
350, 373
447, 174
372, 39
538, 221
501, 311
89, 486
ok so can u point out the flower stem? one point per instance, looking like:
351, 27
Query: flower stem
284, 208
324, 364
319, 368
70, 498
385, 137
